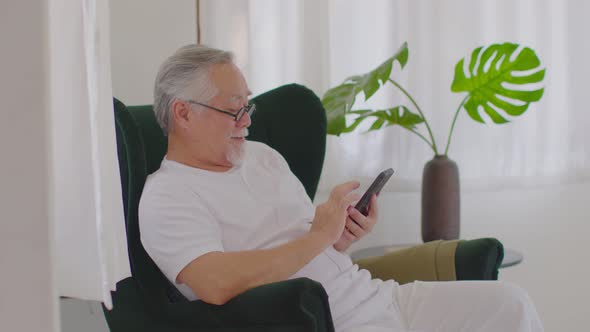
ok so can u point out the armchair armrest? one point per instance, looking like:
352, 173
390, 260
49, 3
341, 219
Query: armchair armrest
439, 261
478, 259
292, 305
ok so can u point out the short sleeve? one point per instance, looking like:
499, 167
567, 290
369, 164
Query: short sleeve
176, 227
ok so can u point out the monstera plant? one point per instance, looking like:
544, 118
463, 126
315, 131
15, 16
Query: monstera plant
492, 78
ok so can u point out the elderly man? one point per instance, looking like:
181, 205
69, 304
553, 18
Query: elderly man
223, 215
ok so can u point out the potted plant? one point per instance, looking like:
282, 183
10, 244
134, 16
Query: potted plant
488, 84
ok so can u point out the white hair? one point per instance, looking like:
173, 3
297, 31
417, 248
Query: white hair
185, 75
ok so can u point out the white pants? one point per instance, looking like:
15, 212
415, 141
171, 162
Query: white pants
461, 306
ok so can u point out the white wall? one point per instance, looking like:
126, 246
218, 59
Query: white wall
143, 34
28, 301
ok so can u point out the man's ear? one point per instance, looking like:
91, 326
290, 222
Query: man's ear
179, 113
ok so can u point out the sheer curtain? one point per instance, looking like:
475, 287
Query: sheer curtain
320, 43
91, 250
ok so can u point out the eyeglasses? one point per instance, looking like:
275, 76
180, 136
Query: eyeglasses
250, 108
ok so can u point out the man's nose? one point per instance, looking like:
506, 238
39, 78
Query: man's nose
244, 121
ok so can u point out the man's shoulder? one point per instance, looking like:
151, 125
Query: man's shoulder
163, 175
262, 149
261, 153
165, 182
165, 191
259, 147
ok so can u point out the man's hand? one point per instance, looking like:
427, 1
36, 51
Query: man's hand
353, 231
330, 216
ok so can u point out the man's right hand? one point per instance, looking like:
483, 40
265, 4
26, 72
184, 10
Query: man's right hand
330, 217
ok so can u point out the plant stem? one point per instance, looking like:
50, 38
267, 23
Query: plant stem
453, 124
422, 136
433, 145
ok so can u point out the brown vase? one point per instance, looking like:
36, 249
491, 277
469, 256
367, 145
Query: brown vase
440, 200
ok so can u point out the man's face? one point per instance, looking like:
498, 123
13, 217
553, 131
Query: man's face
218, 135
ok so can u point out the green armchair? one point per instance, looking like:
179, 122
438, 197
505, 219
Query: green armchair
292, 120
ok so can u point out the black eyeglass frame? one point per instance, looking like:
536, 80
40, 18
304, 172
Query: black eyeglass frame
250, 108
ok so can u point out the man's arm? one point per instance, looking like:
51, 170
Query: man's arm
217, 277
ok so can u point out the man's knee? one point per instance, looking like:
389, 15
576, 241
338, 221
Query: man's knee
512, 292
521, 306
516, 301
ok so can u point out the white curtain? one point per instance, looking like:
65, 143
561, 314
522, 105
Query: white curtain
320, 43
91, 249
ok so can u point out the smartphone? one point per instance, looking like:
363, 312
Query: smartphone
374, 188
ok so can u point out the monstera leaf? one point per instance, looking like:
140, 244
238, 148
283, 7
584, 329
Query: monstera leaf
496, 82
399, 115
500, 80
339, 100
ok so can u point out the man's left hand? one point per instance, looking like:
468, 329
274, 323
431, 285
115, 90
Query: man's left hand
357, 225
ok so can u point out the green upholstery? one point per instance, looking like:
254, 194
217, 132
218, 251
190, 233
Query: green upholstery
295, 128
478, 259
148, 301
292, 120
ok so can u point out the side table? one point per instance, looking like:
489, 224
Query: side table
511, 256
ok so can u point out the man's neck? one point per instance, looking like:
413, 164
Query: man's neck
181, 154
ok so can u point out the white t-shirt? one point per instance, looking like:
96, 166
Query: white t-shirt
186, 212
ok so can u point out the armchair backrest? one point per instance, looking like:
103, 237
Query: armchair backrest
291, 119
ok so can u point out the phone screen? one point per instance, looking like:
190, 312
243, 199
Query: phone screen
374, 188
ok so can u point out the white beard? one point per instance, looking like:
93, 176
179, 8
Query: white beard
236, 155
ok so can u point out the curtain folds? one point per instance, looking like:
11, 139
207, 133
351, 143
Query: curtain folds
91, 248
320, 43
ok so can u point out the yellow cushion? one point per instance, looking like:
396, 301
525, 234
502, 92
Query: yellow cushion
432, 261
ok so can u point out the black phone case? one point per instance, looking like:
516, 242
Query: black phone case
374, 188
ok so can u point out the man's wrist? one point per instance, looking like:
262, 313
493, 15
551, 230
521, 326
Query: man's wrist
319, 239
341, 247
